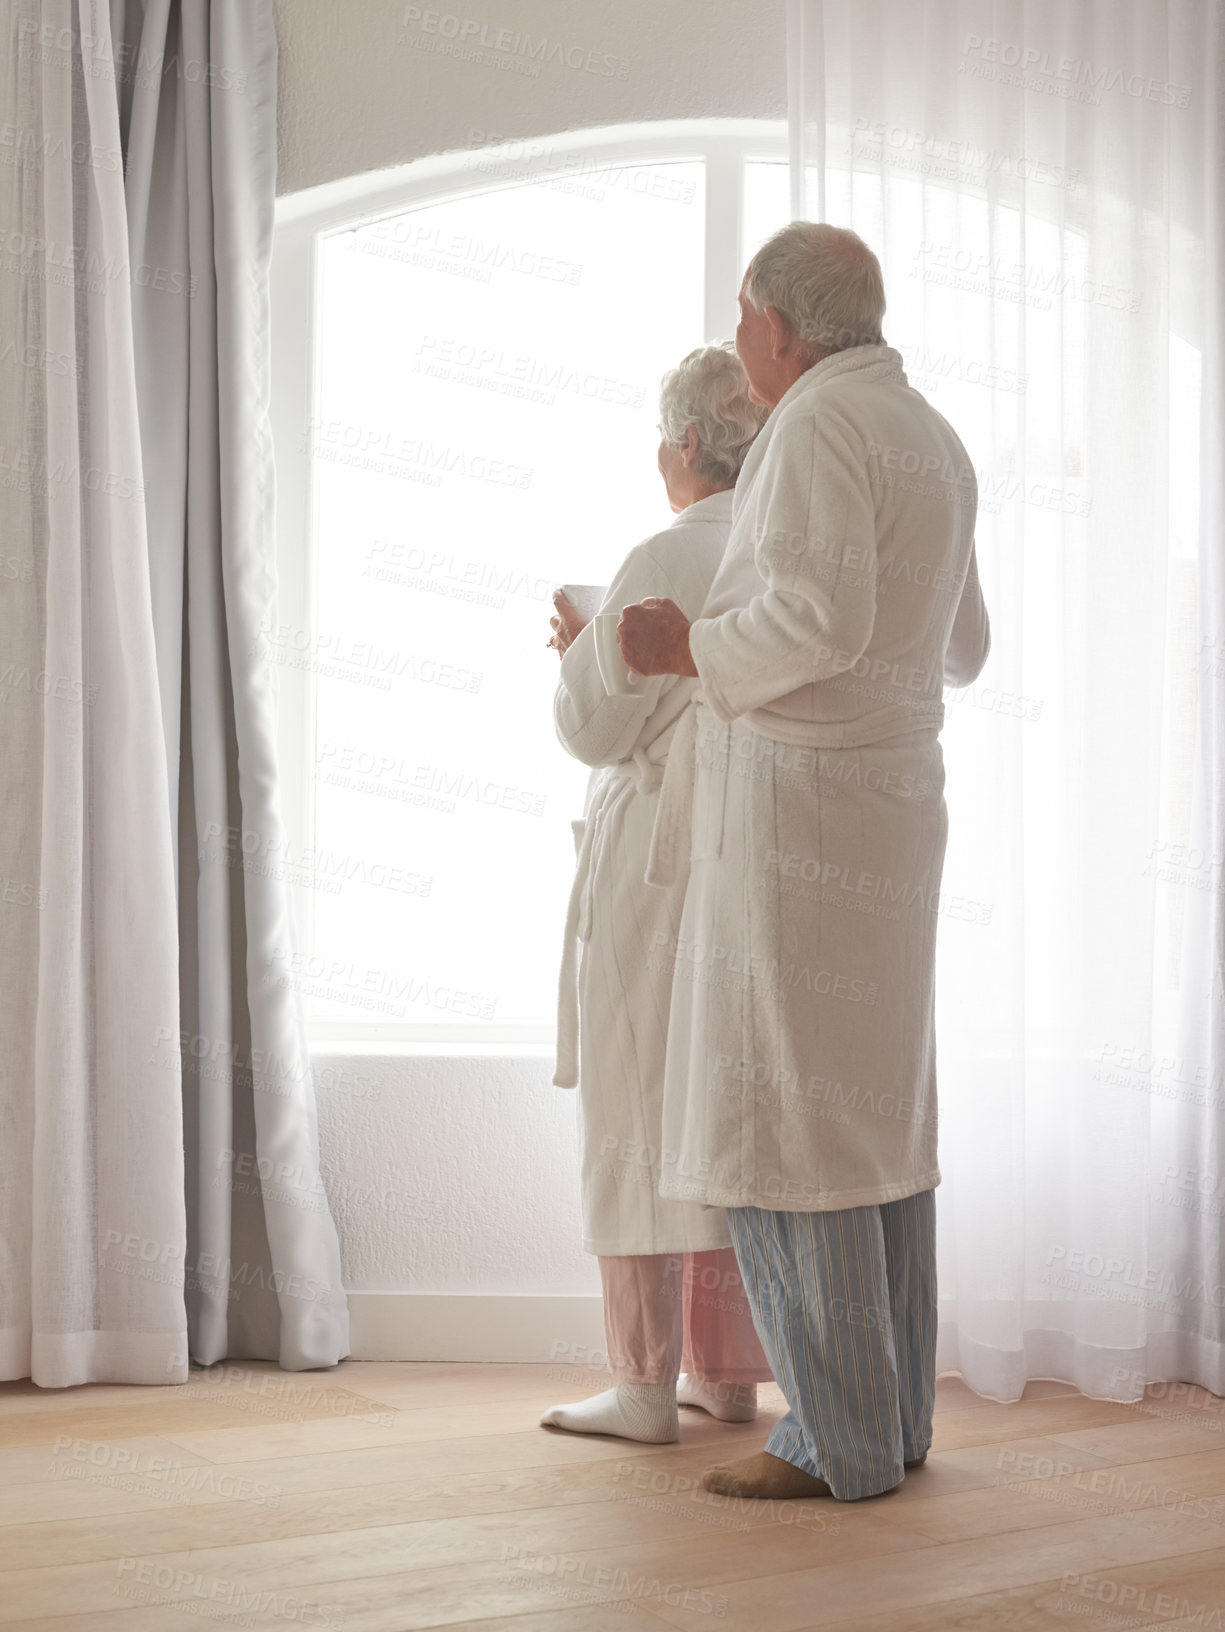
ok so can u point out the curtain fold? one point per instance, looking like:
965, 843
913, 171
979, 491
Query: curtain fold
92, 1224
200, 143
160, 1193
1044, 187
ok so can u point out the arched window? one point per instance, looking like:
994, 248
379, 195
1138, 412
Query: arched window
467, 355
467, 358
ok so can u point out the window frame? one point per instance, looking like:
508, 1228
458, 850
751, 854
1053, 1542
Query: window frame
302, 222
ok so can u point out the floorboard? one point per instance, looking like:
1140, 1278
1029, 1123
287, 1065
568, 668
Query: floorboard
408, 1498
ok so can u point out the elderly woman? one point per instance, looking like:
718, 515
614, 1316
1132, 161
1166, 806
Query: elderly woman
847, 598
672, 1293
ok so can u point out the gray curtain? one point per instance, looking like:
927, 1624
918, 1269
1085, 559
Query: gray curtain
92, 1228
197, 90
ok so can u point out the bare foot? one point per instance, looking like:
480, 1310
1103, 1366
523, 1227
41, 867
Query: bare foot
763, 1475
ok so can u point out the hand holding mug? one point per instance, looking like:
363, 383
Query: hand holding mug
654, 638
568, 623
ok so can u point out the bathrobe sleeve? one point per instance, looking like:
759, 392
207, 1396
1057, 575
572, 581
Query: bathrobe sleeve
970, 640
815, 548
596, 728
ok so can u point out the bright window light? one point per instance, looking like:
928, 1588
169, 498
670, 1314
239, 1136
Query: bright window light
482, 398
484, 429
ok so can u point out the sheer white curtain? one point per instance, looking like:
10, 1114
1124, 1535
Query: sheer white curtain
1044, 185
92, 1226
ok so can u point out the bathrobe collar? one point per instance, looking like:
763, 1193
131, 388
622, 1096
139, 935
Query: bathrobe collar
714, 507
872, 362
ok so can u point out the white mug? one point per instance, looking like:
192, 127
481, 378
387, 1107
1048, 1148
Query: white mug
586, 599
618, 680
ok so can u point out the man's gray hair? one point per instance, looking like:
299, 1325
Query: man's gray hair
710, 391
824, 280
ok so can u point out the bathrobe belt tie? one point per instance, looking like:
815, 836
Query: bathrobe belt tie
670, 837
647, 774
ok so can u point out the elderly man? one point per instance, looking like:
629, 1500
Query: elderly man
801, 1095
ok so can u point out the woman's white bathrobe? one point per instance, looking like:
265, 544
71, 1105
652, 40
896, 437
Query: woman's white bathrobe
801, 1071
613, 1004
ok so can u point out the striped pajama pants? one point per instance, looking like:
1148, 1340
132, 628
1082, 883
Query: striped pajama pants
845, 1305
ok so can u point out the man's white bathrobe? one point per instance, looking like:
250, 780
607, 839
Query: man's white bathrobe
613, 1011
801, 1070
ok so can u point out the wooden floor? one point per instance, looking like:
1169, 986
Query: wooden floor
377, 1498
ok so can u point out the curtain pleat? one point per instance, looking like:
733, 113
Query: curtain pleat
92, 1220
263, 1257
160, 1194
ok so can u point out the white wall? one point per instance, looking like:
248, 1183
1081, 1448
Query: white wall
452, 1175
454, 1185
454, 1180
358, 93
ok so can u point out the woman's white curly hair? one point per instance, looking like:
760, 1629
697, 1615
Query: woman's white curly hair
709, 390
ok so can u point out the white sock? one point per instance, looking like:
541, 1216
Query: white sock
730, 1402
630, 1411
